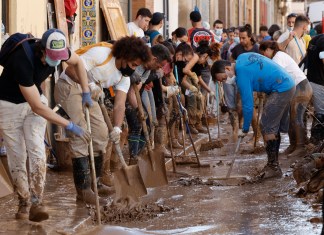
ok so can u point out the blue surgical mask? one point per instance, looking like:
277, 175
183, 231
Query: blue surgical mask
218, 32
52, 63
237, 39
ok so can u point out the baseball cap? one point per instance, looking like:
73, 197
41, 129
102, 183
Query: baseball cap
54, 42
156, 18
195, 16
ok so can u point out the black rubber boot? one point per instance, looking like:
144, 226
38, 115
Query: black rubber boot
317, 130
272, 169
82, 181
103, 190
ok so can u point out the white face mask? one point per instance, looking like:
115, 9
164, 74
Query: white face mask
290, 29
218, 32
177, 43
210, 61
237, 39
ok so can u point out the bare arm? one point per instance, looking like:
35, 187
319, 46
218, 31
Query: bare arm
119, 108
131, 97
77, 72
32, 96
283, 45
185, 83
191, 64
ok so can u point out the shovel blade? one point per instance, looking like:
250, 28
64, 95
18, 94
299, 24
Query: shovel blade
129, 183
153, 169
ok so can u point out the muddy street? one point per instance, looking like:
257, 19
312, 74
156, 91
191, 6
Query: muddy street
194, 202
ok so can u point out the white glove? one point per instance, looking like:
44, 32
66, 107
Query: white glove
212, 94
241, 134
172, 90
96, 91
115, 134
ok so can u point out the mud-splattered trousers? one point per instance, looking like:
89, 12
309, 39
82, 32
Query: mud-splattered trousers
23, 133
298, 105
69, 96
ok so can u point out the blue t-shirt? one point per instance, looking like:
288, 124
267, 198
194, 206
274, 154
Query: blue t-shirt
255, 72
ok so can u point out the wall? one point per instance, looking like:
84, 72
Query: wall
173, 15
27, 16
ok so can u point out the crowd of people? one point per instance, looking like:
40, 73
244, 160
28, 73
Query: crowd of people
189, 74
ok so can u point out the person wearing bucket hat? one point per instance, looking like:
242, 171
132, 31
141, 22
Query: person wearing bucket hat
24, 114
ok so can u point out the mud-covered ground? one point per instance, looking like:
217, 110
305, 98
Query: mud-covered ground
196, 201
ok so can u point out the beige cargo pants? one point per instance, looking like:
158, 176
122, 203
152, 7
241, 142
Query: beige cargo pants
23, 133
70, 98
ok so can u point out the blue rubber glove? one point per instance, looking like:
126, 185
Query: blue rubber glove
78, 131
86, 99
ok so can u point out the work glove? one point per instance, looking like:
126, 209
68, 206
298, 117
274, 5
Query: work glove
96, 92
86, 99
212, 94
115, 134
78, 131
242, 133
193, 89
135, 78
172, 90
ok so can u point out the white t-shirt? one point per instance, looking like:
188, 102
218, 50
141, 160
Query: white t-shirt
107, 75
133, 29
290, 66
296, 48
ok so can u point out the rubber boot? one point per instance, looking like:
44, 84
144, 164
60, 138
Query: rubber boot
174, 137
103, 190
292, 140
300, 150
161, 139
38, 212
200, 128
272, 169
193, 129
82, 181
317, 130
22, 209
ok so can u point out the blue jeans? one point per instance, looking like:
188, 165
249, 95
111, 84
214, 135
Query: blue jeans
149, 103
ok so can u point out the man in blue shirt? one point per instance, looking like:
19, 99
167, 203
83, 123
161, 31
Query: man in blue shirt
254, 72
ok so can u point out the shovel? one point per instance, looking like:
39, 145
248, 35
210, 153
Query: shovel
152, 168
128, 180
212, 143
94, 177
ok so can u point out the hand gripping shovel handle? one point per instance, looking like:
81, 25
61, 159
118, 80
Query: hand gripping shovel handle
110, 128
147, 137
94, 177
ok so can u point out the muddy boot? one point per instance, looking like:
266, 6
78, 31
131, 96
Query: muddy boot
132, 161
200, 128
38, 212
161, 139
300, 150
317, 130
22, 209
82, 181
193, 130
272, 169
174, 137
103, 190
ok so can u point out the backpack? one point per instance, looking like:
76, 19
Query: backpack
83, 50
13, 42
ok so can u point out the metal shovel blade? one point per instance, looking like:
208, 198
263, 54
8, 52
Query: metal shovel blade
153, 169
129, 183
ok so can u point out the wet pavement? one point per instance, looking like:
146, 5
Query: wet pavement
197, 203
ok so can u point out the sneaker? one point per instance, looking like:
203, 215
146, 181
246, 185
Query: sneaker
22, 210
38, 213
